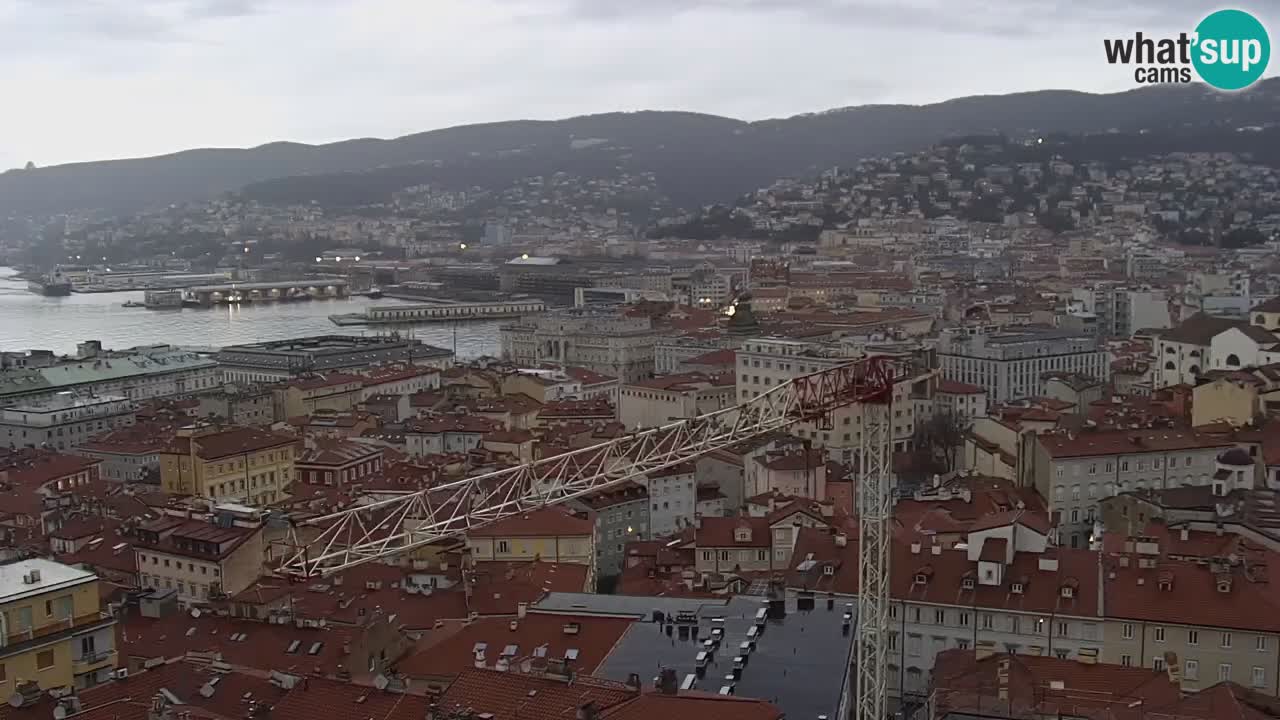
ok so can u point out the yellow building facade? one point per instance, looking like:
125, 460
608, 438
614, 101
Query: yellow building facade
53, 633
244, 465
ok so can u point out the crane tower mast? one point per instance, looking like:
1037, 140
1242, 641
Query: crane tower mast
389, 527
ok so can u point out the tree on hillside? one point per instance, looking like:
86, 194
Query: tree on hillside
1243, 237
939, 439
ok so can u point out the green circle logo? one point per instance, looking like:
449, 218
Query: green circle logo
1232, 49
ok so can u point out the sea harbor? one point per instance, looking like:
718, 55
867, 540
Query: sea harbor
59, 323
442, 311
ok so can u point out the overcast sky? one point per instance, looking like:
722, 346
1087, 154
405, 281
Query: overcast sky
95, 79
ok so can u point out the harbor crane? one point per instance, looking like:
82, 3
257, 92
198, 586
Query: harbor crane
389, 527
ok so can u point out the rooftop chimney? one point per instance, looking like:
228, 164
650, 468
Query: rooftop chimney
668, 682
915, 548
1173, 666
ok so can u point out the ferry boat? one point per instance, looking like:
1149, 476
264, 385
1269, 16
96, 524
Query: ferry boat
54, 284
163, 299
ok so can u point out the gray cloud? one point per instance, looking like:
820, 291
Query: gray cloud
113, 78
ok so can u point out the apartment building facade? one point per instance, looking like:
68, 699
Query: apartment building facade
202, 559
551, 534
619, 515
64, 422
1074, 472
673, 498
1218, 617
1010, 364
144, 374
337, 462
765, 363
601, 340
1006, 589
1120, 310
670, 398
53, 633
245, 465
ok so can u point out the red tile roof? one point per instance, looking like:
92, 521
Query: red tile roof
192, 538
1125, 442
694, 706
598, 407
234, 441
322, 698
1193, 596
816, 461
231, 696
327, 380
535, 635
994, 550
1033, 520
945, 572
616, 495
546, 522
336, 453
498, 588
266, 646
513, 696
381, 374
683, 382
513, 437
716, 358
32, 469
954, 387
721, 532
1048, 687
588, 377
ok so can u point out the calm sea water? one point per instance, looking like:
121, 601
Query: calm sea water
28, 320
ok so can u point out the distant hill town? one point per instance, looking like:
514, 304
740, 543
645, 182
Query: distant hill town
696, 158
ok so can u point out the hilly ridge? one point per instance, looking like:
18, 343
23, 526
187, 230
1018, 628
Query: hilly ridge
697, 158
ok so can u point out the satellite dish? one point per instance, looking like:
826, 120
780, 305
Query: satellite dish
59, 712
381, 682
195, 612
206, 690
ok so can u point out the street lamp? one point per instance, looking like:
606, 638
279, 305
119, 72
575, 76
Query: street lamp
357, 258
319, 259
462, 246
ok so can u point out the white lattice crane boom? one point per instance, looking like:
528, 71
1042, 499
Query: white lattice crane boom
400, 524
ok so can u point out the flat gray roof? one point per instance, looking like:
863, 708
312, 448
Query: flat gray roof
637, 606
801, 662
53, 576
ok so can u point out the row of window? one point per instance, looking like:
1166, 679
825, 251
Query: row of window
1191, 670
1225, 639
177, 564
22, 619
197, 590
1139, 465
1012, 623
743, 555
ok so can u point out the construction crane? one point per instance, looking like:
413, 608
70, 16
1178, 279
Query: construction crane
386, 528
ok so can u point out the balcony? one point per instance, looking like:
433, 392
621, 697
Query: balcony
19, 637
94, 658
